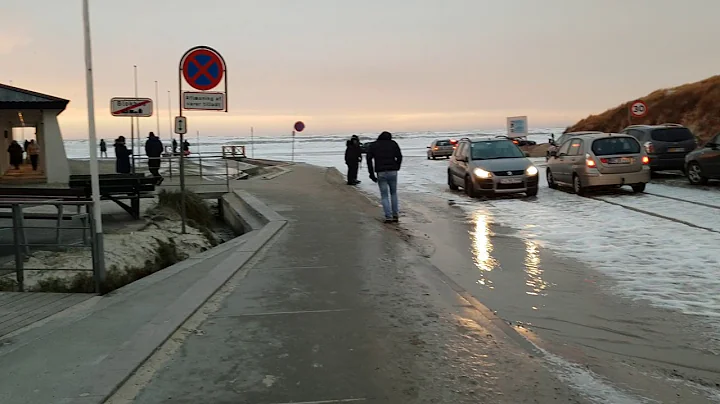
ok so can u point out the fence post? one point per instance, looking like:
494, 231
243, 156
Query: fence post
227, 175
17, 239
200, 159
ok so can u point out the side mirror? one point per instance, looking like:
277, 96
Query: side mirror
527, 154
553, 153
428, 147
711, 145
462, 158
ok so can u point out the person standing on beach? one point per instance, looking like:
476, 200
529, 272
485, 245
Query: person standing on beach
384, 159
103, 148
186, 147
154, 149
353, 156
174, 146
33, 151
122, 156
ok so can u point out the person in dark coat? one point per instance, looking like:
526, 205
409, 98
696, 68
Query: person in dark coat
174, 146
154, 149
25, 149
353, 156
103, 148
16, 154
122, 156
383, 160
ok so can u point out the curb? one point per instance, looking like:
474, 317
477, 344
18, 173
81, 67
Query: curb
136, 350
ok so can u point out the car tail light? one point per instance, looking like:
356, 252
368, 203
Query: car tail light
436, 148
589, 161
645, 160
604, 161
649, 147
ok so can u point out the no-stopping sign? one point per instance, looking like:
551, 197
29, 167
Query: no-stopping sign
638, 109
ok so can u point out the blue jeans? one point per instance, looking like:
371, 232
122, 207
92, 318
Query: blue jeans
387, 182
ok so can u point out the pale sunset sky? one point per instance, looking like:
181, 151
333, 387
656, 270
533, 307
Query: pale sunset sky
346, 66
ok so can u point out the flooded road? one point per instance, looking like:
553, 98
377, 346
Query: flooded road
566, 308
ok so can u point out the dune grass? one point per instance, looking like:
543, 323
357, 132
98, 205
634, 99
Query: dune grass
694, 105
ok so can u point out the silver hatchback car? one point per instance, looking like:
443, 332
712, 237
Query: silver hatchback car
599, 160
491, 166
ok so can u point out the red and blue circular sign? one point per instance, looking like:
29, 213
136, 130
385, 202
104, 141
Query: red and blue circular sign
203, 68
299, 126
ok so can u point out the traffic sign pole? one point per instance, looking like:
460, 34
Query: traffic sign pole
182, 154
99, 262
293, 147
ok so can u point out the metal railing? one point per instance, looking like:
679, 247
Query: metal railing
26, 238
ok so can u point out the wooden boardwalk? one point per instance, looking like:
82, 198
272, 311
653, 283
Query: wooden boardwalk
18, 310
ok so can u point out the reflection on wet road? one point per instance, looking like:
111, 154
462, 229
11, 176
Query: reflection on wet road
568, 308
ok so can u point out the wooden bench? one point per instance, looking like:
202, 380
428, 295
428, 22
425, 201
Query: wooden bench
119, 187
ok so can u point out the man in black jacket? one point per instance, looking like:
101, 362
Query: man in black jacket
384, 158
154, 149
353, 156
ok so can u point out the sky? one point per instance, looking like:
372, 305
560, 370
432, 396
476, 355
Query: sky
345, 66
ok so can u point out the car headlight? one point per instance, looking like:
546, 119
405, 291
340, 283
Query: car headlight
532, 170
480, 173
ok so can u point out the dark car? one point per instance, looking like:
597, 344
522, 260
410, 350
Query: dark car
703, 164
666, 144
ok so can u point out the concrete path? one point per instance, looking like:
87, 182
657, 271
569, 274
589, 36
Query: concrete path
18, 310
339, 308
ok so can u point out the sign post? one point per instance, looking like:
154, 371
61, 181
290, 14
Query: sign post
638, 109
99, 263
298, 127
202, 68
133, 108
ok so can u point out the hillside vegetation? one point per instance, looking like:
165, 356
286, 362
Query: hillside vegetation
695, 105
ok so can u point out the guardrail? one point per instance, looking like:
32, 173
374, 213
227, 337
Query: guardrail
80, 222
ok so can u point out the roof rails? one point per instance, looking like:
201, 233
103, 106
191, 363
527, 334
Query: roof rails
465, 139
502, 137
675, 125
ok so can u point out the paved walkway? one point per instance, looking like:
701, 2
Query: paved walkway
18, 310
339, 309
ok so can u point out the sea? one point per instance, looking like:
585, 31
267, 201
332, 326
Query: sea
322, 150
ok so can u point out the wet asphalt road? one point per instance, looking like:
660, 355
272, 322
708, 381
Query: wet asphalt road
341, 308
567, 308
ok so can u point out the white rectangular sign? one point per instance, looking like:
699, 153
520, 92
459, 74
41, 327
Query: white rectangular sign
180, 125
204, 101
142, 107
517, 126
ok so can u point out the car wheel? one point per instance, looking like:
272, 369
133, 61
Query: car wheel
531, 192
451, 182
695, 174
550, 179
577, 185
637, 188
469, 187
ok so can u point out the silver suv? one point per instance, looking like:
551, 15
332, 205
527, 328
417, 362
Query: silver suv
491, 166
599, 160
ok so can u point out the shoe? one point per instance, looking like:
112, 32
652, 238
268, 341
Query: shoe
395, 219
387, 220
357, 182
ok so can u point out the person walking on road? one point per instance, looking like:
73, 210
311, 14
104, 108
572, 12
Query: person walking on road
103, 148
122, 156
353, 156
384, 159
33, 151
154, 149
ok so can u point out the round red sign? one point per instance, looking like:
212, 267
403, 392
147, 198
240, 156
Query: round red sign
299, 126
203, 68
638, 109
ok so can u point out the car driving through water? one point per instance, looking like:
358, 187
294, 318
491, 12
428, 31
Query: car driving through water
488, 166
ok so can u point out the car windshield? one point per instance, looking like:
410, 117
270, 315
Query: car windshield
672, 135
495, 149
615, 145
442, 143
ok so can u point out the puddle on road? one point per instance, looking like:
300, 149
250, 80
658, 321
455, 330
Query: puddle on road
568, 306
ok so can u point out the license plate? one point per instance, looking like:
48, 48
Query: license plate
621, 160
676, 149
511, 180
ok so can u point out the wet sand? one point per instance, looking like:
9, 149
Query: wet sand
564, 306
